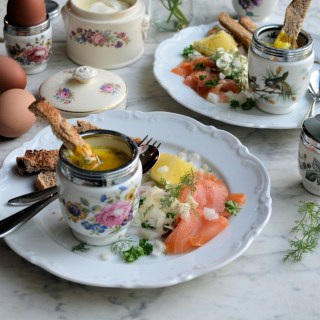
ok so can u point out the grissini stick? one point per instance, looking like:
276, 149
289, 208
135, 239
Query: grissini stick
236, 29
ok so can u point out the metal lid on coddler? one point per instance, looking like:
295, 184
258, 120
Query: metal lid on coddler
311, 128
52, 9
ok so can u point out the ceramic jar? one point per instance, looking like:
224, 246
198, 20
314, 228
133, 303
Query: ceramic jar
99, 205
30, 46
255, 9
279, 77
104, 39
309, 155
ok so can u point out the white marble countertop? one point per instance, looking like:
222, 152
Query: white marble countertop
257, 285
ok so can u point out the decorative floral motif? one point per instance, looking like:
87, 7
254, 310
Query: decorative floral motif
110, 88
33, 53
274, 86
250, 4
312, 169
64, 95
114, 212
99, 38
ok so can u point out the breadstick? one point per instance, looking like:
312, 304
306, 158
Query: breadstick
63, 130
246, 22
236, 29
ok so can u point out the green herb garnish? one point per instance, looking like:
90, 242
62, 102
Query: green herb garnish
135, 252
80, 247
307, 231
232, 207
173, 191
188, 51
199, 66
202, 77
212, 83
247, 105
146, 225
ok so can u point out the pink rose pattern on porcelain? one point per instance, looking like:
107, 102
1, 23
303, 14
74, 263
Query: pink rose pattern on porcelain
64, 95
33, 53
99, 38
108, 216
110, 88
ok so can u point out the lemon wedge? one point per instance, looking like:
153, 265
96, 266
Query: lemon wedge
208, 45
171, 168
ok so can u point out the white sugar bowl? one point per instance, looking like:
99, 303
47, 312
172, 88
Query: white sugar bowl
105, 34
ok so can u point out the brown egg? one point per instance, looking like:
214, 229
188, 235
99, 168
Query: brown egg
26, 13
12, 74
15, 117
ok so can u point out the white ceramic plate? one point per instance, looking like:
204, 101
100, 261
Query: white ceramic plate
168, 55
46, 241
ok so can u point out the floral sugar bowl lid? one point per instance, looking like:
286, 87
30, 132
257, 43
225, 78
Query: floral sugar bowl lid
78, 92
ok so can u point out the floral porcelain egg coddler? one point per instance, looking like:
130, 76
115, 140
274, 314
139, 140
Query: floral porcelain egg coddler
105, 34
27, 34
279, 78
98, 205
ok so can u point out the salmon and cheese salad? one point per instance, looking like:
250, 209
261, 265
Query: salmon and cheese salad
216, 68
182, 207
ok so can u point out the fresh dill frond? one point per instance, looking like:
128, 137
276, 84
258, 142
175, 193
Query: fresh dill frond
80, 247
307, 231
173, 191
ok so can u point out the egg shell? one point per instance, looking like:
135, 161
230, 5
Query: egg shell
12, 75
15, 117
26, 13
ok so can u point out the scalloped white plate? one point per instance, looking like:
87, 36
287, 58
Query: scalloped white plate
168, 55
46, 241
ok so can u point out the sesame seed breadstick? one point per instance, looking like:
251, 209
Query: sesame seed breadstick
236, 29
62, 129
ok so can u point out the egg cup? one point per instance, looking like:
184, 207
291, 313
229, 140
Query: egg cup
29, 46
98, 206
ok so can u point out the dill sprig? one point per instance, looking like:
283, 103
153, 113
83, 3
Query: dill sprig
80, 247
173, 191
307, 231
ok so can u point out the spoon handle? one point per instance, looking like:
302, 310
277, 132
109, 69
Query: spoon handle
310, 112
18, 219
32, 197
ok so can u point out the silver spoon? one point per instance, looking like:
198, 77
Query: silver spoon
314, 91
148, 158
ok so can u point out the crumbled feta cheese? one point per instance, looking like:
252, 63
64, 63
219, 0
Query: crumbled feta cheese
158, 247
105, 255
213, 98
194, 157
210, 214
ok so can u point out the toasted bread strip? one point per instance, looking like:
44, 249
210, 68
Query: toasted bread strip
236, 29
34, 161
246, 22
46, 180
83, 126
64, 130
